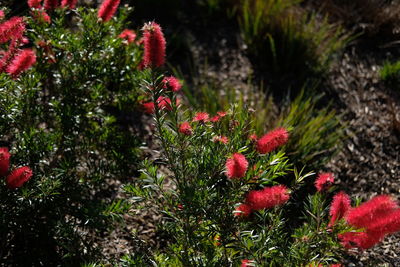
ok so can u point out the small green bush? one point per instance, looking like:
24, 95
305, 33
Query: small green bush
390, 72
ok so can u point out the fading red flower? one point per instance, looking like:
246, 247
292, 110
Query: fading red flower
272, 140
69, 3
128, 35
324, 181
253, 137
236, 166
165, 103
221, 139
221, 113
41, 16
268, 197
148, 107
172, 83
50, 4
243, 210
154, 45
12, 29
368, 212
34, 3
4, 161
215, 118
340, 205
185, 128
362, 240
201, 117
22, 61
18, 177
107, 9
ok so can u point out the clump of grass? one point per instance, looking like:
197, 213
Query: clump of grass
390, 72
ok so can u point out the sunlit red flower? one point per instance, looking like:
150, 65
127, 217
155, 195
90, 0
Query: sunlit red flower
201, 117
388, 224
243, 210
22, 61
18, 177
268, 197
172, 83
324, 181
368, 212
4, 161
272, 140
69, 3
154, 45
12, 29
41, 16
185, 128
34, 3
107, 9
236, 166
340, 205
50, 4
215, 118
221, 113
148, 107
362, 240
128, 35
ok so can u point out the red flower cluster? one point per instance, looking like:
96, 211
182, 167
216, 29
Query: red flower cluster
12, 29
202, 117
128, 35
236, 166
107, 9
340, 205
22, 61
243, 210
378, 217
272, 140
154, 45
268, 197
69, 3
41, 16
222, 139
185, 128
17, 177
34, 3
50, 4
172, 83
324, 181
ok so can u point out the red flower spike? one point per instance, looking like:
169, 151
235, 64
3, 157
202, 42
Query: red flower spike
22, 61
185, 128
324, 181
148, 107
2, 15
107, 9
34, 3
171, 83
154, 45
340, 205
165, 103
201, 117
268, 197
246, 263
128, 35
272, 140
360, 240
368, 212
4, 161
222, 139
215, 118
387, 224
243, 210
236, 166
12, 29
50, 4
18, 177
221, 113
69, 3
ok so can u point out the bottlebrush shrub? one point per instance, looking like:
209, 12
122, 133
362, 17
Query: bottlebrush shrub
221, 200
66, 111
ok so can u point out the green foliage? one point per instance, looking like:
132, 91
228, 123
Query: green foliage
390, 73
66, 119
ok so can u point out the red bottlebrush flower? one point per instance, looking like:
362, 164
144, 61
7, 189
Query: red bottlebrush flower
201, 117
246, 263
41, 16
336, 265
185, 128
253, 137
268, 197
2, 15
221, 139
128, 35
221, 113
107, 9
368, 212
215, 118
272, 140
172, 83
22, 61
69, 3
243, 210
4, 161
18, 177
387, 224
148, 107
340, 205
362, 240
324, 181
164, 103
34, 3
9, 55
236, 166
12, 29
154, 45
50, 4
